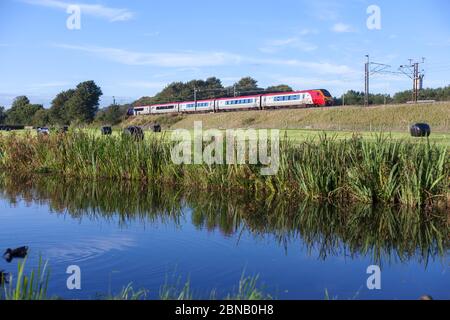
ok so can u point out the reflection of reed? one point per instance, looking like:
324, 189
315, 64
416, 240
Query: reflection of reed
384, 233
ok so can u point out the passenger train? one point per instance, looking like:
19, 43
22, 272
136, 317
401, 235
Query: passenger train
306, 98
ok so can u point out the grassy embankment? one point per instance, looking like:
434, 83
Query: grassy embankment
299, 125
382, 171
396, 118
302, 124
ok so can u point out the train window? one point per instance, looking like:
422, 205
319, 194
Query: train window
326, 93
164, 107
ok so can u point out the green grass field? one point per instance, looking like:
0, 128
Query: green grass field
302, 124
300, 135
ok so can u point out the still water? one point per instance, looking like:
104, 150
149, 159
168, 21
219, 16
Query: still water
127, 233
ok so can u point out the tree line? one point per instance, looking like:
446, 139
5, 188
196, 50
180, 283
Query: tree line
353, 97
208, 89
73, 106
81, 104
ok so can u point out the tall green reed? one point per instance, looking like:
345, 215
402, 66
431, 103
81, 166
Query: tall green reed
326, 169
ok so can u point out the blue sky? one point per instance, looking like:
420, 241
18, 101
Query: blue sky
135, 48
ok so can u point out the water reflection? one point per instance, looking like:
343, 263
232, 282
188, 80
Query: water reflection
386, 234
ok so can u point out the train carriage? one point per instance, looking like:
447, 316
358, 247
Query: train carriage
142, 110
238, 103
287, 99
197, 106
165, 108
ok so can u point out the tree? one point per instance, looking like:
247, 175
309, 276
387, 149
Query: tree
112, 114
247, 84
58, 113
143, 101
19, 102
172, 92
83, 104
213, 88
21, 111
353, 97
41, 118
2, 114
184, 91
279, 88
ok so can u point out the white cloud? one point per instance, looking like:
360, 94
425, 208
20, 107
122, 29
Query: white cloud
96, 10
166, 59
325, 10
342, 28
203, 59
152, 34
306, 31
277, 45
322, 68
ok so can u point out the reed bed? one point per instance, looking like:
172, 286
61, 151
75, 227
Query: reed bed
323, 169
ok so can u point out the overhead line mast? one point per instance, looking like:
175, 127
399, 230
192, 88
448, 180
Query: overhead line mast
412, 72
377, 68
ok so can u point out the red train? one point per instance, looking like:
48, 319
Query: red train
305, 98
